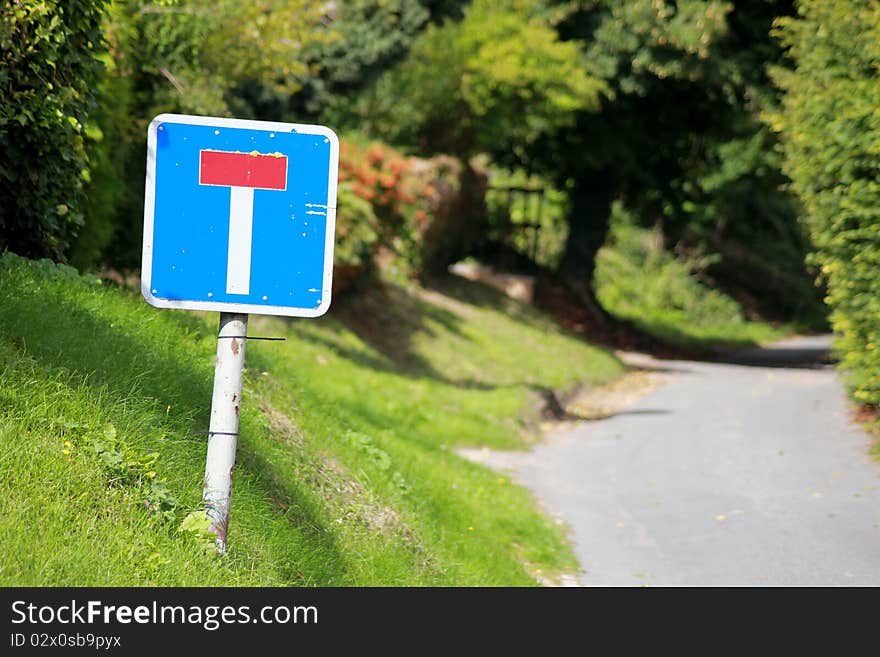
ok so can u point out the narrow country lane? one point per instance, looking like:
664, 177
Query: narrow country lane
747, 473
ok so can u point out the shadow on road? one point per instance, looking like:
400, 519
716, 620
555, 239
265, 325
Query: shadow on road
811, 352
578, 417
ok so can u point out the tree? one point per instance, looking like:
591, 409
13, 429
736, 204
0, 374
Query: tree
491, 83
678, 94
188, 56
368, 37
682, 142
271, 60
495, 82
654, 103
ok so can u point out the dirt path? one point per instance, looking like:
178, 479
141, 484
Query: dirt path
749, 472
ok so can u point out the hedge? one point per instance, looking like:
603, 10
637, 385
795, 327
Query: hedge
830, 126
49, 68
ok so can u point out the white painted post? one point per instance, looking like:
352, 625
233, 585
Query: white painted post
223, 430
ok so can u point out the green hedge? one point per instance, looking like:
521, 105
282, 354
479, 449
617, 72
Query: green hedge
48, 73
830, 124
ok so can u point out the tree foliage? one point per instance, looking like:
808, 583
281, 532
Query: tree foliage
680, 141
272, 60
657, 104
370, 36
48, 71
191, 53
830, 124
493, 82
651, 103
188, 56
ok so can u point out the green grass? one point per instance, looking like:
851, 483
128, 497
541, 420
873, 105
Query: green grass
347, 472
639, 281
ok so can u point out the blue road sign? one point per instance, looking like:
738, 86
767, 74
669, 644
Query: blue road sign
239, 215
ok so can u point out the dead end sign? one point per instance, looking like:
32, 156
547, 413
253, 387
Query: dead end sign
239, 218
239, 215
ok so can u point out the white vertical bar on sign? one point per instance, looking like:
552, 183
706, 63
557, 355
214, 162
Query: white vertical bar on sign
241, 219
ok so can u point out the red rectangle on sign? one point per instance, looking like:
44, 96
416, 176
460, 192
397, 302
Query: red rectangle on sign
243, 170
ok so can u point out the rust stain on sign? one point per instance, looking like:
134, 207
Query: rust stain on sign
235, 347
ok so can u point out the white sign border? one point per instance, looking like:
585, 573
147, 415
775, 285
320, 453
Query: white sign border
150, 204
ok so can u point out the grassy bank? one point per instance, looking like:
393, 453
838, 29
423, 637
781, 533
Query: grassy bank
639, 281
347, 473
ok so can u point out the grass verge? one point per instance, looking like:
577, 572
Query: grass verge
639, 281
346, 472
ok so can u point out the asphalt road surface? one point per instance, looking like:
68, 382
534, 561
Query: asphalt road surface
749, 472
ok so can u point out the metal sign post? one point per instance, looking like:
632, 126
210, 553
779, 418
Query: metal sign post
239, 218
223, 431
